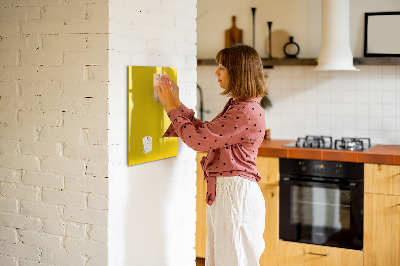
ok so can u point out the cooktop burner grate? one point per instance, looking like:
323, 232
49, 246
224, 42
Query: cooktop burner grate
326, 142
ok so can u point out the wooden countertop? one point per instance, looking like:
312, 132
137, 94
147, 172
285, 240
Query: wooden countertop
380, 154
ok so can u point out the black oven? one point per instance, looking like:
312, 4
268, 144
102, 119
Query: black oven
321, 202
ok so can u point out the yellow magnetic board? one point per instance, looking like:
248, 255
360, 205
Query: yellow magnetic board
147, 119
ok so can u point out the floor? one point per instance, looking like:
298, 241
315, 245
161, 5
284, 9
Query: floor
200, 262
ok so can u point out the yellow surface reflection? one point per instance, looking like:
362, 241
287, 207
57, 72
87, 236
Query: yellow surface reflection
147, 119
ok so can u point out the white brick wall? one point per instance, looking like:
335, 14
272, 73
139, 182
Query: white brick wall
152, 205
60, 139
53, 135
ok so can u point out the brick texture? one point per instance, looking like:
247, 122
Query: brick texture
53, 137
63, 133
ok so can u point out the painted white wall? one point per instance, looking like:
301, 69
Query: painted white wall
301, 19
152, 205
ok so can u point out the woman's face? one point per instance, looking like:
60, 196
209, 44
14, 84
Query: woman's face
223, 76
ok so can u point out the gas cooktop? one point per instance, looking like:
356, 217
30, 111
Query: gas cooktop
326, 142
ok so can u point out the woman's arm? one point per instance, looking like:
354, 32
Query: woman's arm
232, 128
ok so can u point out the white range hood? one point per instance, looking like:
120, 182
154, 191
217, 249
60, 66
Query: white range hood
335, 52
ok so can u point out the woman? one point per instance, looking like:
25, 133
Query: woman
236, 211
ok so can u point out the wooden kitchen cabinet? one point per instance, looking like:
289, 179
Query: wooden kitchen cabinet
271, 232
268, 168
300, 254
382, 215
201, 205
382, 179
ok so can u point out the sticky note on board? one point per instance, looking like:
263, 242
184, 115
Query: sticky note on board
156, 82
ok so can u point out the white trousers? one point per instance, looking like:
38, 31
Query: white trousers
235, 223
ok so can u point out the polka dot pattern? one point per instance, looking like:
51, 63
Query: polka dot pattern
232, 139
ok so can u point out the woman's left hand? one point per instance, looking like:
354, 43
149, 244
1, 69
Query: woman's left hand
165, 95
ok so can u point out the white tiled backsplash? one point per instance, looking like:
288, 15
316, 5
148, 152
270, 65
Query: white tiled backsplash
365, 103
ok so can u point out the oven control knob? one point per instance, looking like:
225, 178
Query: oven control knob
338, 168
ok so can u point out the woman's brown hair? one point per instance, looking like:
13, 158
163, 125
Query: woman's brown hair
245, 69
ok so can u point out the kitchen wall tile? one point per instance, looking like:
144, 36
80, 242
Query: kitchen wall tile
301, 131
310, 123
375, 83
388, 78
348, 132
397, 73
349, 96
323, 74
323, 121
298, 96
323, 95
299, 107
285, 83
286, 71
310, 82
362, 110
388, 71
298, 72
349, 122
336, 109
362, 133
336, 121
325, 131
286, 120
362, 97
389, 110
362, 78
388, 97
323, 109
362, 123
298, 83
375, 97
286, 133
375, 123
349, 79
323, 82
375, 110
336, 81
309, 72
389, 124
336, 96
389, 84
376, 136
348, 109
389, 136
310, 95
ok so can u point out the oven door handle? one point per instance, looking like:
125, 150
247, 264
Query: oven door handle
319, 182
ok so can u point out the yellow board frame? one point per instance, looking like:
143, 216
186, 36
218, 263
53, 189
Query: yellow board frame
146, 117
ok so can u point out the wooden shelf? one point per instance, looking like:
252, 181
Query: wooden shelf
269, 63
377, 61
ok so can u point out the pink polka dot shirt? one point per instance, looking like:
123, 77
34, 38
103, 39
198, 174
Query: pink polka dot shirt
232, 139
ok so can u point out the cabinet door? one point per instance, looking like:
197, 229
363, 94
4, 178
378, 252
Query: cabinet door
381, 230
201, 205
271, 232
382, 179
268, 168
299, 254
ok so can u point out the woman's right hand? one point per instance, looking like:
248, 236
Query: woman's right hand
175, 92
